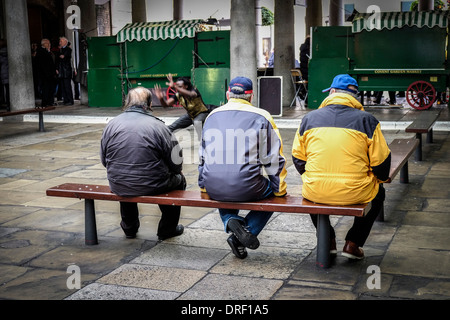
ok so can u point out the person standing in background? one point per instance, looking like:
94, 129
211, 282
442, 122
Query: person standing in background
65, 71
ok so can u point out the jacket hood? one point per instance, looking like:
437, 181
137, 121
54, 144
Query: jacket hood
341, 99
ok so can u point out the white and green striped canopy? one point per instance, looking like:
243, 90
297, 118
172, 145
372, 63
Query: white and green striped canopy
390, 20
159, 30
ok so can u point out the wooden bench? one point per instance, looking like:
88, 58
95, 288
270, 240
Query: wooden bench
401, 149
25, 111
290, 204
423, 124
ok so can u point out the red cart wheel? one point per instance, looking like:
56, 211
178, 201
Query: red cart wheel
170, 94
421, 95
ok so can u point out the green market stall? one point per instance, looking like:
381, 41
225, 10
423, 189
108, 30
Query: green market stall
142, 54
389, 51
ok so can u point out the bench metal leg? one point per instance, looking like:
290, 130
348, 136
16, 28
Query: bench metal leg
323, 241
90, 226
419, 147
430, 136
404, 174
41, 122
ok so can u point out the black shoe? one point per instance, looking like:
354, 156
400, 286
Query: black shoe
237, 247
130, 232
178, 231
244, 236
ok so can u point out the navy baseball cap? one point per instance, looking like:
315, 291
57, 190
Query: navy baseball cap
342, 81
241, 85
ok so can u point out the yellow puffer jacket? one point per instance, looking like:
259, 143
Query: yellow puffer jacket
341, 153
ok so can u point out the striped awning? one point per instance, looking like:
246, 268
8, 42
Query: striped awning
390, 20
159, 30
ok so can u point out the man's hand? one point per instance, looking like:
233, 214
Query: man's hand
170, 84
158, 92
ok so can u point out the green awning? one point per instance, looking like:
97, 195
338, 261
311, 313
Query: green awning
159, 30
390, 20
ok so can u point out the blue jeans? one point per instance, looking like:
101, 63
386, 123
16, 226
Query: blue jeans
255, 220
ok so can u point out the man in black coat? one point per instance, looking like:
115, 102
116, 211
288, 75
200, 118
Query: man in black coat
142, 157
65, 71
46, 69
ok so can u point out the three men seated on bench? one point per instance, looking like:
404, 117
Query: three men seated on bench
343, 158
339, 150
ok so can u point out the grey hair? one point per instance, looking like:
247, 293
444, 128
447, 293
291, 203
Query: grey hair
139, 96
245, 96
354, 95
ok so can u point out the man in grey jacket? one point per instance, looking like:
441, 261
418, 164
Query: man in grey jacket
142, 157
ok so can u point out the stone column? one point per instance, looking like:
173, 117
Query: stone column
177, 9
243, 42
139, 10
284, 54
19, 55
336, 13
313, 15
426, 5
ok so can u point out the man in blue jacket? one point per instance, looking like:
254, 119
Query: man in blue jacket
142, 157
239, 142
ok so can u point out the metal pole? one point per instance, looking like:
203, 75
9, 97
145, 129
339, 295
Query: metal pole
41, 122
90, 226
419, 147
323, 241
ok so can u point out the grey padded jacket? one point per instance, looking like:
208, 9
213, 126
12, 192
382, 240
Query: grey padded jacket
139, 153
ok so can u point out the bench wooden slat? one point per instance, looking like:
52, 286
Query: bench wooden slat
290, 204
424, 122
24, 111
33, 110
401, 150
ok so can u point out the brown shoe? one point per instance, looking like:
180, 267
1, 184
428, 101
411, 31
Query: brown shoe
352, 251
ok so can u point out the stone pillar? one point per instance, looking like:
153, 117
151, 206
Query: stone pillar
313, 15
336, 13
284, 52
139, 10
426, 5
258, 17
177, 9
243, 42
19, 55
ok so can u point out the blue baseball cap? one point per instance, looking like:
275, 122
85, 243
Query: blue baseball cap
241, 85
342, 81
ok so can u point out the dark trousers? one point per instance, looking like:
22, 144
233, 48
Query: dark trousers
360, 230
4, 94
48, 92
170, 215
66, 90
185, 121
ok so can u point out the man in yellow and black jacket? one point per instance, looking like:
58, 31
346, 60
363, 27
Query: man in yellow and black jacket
343, 158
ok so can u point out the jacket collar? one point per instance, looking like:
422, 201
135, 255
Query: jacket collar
339, 98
